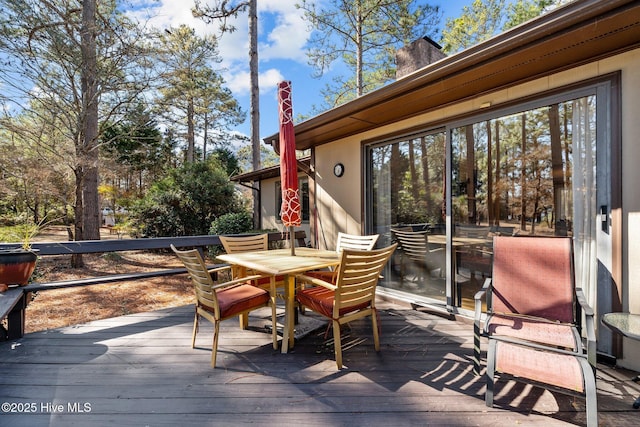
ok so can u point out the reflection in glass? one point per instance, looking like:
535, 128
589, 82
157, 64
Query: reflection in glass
530, 173
512, 175
407, 193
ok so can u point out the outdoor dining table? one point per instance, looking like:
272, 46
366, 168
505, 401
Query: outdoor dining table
628, 325
280, 262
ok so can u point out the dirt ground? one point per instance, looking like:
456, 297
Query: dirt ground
63, 307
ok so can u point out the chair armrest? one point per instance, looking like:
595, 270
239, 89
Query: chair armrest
582, 300
235, 281
477, 331
315, 281
218, 269
478, 298
589, 326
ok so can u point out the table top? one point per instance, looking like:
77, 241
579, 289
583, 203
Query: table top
441, 239
281, 262
624, 323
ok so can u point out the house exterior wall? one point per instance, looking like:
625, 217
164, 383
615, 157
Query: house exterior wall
340, 206
268, 204
339, 200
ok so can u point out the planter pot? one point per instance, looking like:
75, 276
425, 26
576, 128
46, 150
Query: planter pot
16, 266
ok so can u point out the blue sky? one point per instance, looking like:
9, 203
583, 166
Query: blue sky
282, 38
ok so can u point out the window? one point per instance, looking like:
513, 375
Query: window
303, 186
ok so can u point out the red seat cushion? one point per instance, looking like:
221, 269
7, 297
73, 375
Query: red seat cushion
321, 299
237, 299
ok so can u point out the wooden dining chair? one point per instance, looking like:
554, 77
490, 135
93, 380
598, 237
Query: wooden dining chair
352, 297
346, 241
219, 301
533, 320
234, 244
355, 241
415, 251
249, 243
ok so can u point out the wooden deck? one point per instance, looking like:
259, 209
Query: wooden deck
140, 370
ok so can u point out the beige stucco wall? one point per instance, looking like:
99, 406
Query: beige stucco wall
340, 199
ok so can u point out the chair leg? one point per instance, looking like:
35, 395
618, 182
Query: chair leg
376, 329
337, 343
274, 323
214, 345
491, 368
476, 348
244, 320
590, 392
195, 330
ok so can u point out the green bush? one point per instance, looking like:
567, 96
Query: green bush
186, 202
232, 223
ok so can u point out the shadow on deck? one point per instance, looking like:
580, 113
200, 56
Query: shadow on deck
141, 370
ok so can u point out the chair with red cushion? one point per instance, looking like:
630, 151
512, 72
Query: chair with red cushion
352, 297
219, 301
257, 242
346, 241
533, 319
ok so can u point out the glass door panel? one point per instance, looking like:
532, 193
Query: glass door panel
514, 175
407, 193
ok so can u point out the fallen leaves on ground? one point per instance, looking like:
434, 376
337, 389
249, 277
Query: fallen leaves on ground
63, 307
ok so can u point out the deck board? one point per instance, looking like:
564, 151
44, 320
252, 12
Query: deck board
141, 370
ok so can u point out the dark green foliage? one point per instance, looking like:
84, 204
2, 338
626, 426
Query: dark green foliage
186, 202
232, 223
228, 159
137, 143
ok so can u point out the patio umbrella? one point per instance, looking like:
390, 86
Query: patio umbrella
290, 209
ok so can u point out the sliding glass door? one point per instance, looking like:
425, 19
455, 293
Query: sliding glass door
528, 173
540, 168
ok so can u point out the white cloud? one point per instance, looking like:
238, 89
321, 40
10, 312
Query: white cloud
282, 37
167, 13
269, 80
283, 32
287, 39
239, 84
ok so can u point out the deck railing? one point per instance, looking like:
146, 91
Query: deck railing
13, 303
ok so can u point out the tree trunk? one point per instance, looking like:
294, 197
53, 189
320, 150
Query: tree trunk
191, 144
205, 136
426, 177
359, 51
523, 176
396, 180
255, 104
76, 259
89, 130
497, 193
490, 192
471, 176
557, 171
415, 190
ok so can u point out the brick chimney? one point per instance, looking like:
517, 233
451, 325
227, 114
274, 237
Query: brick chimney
418, 54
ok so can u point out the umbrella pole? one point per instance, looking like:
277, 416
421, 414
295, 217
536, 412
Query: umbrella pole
292, 241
